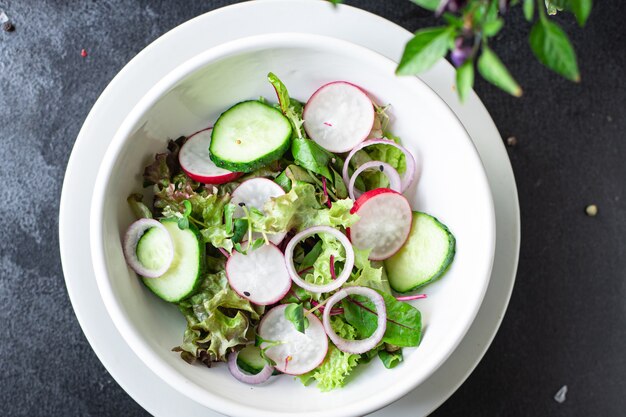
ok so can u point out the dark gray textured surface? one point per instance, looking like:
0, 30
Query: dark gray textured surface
566, 323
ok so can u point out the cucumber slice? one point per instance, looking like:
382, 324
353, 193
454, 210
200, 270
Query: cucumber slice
248, 136
425, 256
154, 248
184, 276
250, 360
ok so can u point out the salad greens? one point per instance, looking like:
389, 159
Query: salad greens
220, 320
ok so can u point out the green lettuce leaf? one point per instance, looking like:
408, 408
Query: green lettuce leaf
320, 275
300, 209
404, 323
337, 365
218, 320
390, 359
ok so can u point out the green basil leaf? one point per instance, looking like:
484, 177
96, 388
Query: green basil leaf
492, 27
426, 48
390, 359
494, 71
465, 79
311, 156
529, 9
553, 49
404, 323
295, 314
581, 9
428, 4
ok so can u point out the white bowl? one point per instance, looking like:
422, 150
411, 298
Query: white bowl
453, 187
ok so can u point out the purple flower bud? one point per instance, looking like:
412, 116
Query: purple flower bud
504, 5
451, 6
463, 49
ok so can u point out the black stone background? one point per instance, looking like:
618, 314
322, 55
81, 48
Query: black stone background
566, 323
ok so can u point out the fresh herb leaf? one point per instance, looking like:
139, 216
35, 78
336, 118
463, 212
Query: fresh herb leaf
295, 314
426, 48
390, 359
552, 48
404, 323
494, 71
465, 79
529, 9
428, 4
281, 92
256, 244
582, 10
308, 154
492, 27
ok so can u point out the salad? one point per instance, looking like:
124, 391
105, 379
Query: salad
283, 236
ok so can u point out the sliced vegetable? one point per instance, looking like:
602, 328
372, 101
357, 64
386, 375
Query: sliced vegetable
394, 178
184, 276
248, 136
338, 116
294, 353
363, 345
384, 222
194, 159
155, 254
427, 254
411, 166
255, 193
251, 379
259, 276
250, 360
341, 278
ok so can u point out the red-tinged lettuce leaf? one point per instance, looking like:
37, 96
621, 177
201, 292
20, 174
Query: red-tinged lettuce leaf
404, 322
165, 165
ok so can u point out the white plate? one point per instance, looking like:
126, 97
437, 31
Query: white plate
212, 29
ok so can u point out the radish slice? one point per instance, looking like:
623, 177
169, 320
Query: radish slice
334, 284
394, 178
338, 116
255, 193
251, 379
385, 220
131, 239
363, 345
260, 276
297, 353
411, 166
195, 161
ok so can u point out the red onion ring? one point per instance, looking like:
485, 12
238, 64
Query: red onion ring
395, 183
411, 165
334, 284
134, 232
363, 345
239, 375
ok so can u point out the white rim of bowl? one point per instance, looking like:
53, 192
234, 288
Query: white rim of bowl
113, 307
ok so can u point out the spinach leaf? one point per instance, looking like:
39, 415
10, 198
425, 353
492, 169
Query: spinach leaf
311, 156
404, 323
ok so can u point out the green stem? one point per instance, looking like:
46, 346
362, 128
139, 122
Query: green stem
541, 5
